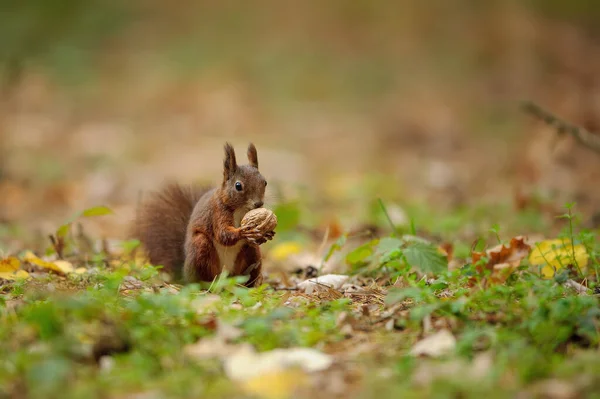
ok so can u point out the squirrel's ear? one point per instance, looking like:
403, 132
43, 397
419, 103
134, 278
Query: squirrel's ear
229, 164
252, 156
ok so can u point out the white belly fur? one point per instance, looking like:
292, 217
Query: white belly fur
227, 255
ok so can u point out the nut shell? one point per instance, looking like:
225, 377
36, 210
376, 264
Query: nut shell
261, 218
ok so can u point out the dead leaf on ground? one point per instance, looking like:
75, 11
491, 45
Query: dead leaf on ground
9, 269
502, 260
10, 264
17, 275
334, 281
555, 389
453, 370
554, 255
246, 363
285, 250
214, 347
276, 385
59, 266
218, 345
579, 288
438, 344
274, 374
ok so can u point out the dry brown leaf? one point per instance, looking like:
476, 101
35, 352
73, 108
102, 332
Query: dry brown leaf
502, 260
447, 248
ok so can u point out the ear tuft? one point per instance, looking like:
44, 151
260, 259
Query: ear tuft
229, 164
252, 155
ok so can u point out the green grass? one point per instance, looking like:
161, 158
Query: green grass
92, 335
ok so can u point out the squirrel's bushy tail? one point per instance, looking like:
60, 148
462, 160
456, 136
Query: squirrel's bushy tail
161, 224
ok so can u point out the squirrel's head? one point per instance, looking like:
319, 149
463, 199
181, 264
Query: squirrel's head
243, 185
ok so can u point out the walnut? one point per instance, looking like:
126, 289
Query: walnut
261, 218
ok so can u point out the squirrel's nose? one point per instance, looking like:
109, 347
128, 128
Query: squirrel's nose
258, 204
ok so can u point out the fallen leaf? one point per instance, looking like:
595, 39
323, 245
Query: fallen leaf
502, 260
214, 347
228, 332
59, 266
554, 388
280, 384
246, 363
64, 266
334, 281
205, 303
284, 250
218, 345
453, 370
438, 344
581, 289
10, 264
16, 275
554, 255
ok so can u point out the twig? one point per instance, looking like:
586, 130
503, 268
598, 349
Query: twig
583, 136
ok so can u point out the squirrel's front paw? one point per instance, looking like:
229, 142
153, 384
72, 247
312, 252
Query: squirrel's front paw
269, 235
252, 235
256, 237
256, 241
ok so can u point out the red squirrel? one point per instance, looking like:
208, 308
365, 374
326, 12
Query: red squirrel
195, 231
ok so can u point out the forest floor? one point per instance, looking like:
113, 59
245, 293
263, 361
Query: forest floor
399, 310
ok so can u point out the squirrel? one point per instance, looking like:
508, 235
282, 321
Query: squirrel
194, 232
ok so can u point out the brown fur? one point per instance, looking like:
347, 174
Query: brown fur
181, 228
250, 257
162, 222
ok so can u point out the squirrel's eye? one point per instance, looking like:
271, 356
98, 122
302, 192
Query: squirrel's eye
238, 186
265, 183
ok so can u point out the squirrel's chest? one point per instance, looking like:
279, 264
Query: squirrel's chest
228, 255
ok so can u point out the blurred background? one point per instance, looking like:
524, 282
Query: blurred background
346, 101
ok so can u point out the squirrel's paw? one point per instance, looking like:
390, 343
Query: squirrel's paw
255, 236
256, 241
249, 231
252, 233
246, 229
269, 235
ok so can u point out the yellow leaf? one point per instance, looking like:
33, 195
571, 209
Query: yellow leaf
9, 264
64, 266
553, 255
59, 266
285, 249
16, 275
276, 385
80, 270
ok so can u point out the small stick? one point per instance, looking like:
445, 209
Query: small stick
59, 245
583, 136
